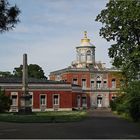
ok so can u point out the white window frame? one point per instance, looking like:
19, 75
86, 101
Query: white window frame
83, 57
54, 99
75, 81
14, 100
84, 104
45, 100
88, 55
98, 83
14, 94
104, 84
32, 100
92, 84
84, 82
113, 82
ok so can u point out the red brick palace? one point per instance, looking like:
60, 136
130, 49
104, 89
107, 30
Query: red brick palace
101, 84
86, 83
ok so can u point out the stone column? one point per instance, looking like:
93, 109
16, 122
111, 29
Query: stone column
25, 98
25, 75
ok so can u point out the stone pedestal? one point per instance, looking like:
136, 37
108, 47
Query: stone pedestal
25, 107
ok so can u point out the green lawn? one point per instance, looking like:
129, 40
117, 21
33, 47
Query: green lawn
49, 117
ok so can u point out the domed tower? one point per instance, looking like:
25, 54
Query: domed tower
85, 56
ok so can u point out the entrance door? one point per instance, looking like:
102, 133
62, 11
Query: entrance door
99, 101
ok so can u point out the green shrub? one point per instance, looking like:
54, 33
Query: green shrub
133, 92
116, 104
135, 108
4, 102
122, 108
113, 105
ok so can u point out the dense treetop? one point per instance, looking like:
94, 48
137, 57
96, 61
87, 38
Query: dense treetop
34, 71
121, 23
8, 16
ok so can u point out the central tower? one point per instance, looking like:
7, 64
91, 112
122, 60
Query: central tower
85, 54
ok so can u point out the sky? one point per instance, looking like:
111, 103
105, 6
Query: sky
49, 32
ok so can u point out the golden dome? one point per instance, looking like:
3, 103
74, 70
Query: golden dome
85, 41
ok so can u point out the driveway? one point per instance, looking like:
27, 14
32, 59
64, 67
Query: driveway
100, 124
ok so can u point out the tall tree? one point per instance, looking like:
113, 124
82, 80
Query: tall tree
18, 71
5, 74
121, 23
8, 16
34, 71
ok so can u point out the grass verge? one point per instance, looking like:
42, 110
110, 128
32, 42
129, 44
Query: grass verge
124, 116
45, 117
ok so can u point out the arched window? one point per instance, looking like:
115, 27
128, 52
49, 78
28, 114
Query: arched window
82, 57
98, 84
88, 55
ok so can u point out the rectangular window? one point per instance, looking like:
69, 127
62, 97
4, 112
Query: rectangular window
75, 81
83, 59
113, 83
92, 84
88, 57
56, 99
98, 84
84, 101
14, 100
31, 98
78, 101
42, 100
83, 83
105, 84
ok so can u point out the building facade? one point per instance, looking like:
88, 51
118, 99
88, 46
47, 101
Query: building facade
45, 95
101, 84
